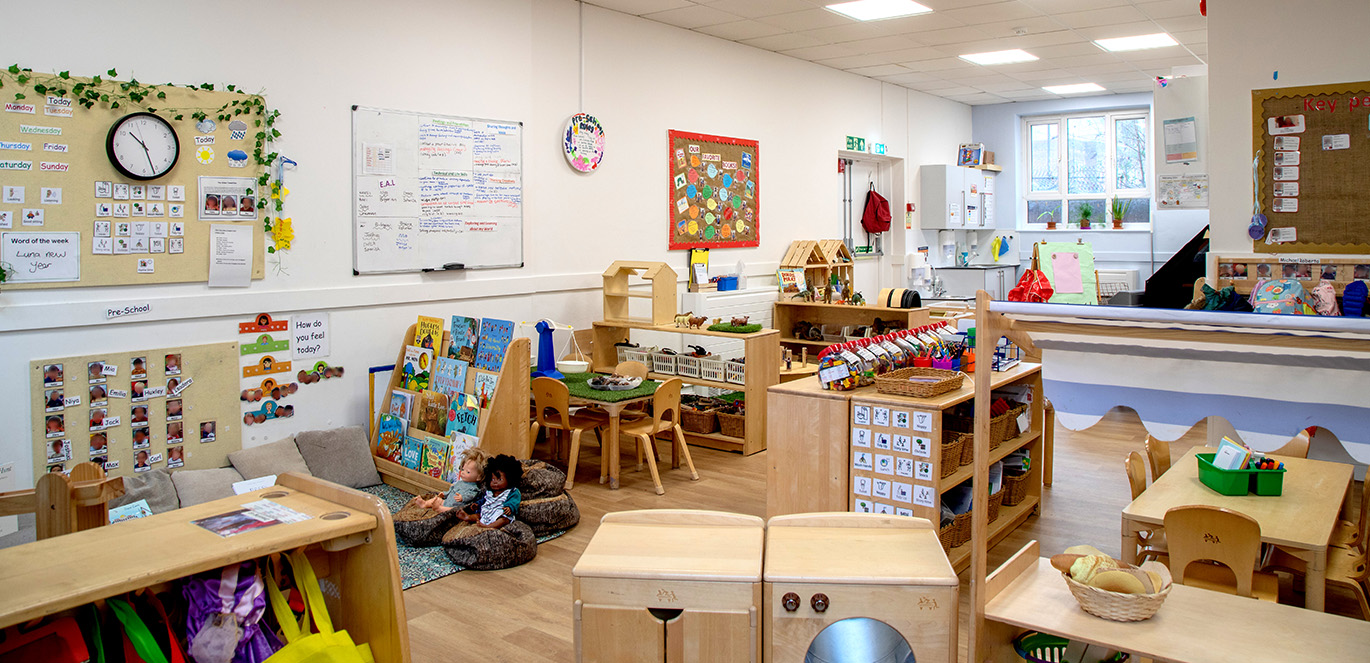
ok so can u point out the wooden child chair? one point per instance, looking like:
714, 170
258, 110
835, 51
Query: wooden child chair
1201, 533
63, 504
553, 412
665, 418
1158, 454
1348, 566
1152, 541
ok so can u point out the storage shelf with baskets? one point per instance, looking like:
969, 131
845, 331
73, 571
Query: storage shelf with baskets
760, 371
836, 317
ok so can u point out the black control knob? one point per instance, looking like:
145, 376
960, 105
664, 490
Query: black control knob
791, 601
819, 602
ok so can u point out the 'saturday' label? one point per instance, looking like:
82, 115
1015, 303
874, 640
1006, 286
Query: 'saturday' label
16, 165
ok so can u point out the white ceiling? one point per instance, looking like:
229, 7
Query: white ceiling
919, 52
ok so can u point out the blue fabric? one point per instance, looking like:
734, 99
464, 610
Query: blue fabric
1353, 299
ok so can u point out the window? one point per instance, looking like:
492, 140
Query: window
1084, 160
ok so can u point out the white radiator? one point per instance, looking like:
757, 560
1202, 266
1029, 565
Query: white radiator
1113, 281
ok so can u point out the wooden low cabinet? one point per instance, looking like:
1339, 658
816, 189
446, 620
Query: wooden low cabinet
670, 585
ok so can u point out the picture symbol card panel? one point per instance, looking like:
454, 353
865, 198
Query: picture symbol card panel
132, 412
893, 467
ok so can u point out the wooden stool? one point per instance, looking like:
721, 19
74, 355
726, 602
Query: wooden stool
668, 584
823, 569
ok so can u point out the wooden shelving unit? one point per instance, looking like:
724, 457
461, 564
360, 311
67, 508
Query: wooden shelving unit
761, 349
787, 314
811, 455
349, 538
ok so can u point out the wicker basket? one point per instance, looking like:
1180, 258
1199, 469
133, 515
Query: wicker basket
994, 501
699, 421
897, 382
967, 447
1116, 606
951, 453
947, 535
963, 529
1014, 488
1005, 426
732, 424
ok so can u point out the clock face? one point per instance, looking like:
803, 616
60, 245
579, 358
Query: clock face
143, 146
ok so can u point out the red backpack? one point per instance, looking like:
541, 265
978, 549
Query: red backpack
876, 218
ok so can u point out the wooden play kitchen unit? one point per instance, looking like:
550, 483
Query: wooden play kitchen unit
349, 538
670, 585
819, 437
863, 585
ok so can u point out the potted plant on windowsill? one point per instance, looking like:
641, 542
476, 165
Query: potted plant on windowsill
1119, 210
1085, 213
1051, 219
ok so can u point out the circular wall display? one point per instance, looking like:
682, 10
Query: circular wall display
583, 142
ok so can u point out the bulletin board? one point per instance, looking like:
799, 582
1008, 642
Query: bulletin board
1070, 270
209, 373
435, 192
1314, 162
714, 191
53, 156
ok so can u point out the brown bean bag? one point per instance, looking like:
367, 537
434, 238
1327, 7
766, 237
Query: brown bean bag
421, 527
484, 549
541, 480
550, 514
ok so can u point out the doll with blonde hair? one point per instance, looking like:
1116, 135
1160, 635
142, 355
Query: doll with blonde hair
467, 487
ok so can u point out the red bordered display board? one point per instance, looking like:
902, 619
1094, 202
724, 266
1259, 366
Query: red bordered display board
714, 191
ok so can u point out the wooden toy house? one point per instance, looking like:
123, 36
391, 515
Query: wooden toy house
619, 280
821, 260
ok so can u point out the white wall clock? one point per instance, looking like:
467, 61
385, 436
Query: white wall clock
142, 146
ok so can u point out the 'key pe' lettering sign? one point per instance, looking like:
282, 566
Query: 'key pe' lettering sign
1347, 104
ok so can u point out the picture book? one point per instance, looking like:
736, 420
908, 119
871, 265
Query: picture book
402, 405
465, 331
418, 366
792, 283
411, 452
494, 342
449, 376
432, 412
435, 452
1231, 455
428, 333
460, 443
463, 415
390, 437
484, 388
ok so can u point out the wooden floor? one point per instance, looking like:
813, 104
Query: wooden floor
524, 613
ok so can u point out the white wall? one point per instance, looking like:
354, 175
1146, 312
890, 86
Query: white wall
1000, 128
1240, 61
512, 59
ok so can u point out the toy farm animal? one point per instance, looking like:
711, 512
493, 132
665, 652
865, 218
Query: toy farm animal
739, 320
697, 322
683, 319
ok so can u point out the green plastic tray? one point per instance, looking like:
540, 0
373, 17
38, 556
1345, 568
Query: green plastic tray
1268, 483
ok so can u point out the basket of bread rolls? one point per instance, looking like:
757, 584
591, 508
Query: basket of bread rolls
1108, 588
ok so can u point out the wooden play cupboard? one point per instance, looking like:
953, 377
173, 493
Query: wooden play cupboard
349, 539
835, 317
829, 447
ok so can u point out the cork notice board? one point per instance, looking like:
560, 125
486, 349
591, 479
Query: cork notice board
714, 192
1314, 148
75, 391
57, 180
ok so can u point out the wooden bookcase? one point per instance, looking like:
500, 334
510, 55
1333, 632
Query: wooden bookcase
349, 538
762, 351
787, 314
503, 428
812, 458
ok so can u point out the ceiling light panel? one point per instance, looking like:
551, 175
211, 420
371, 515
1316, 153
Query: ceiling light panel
1137, 43
875, 10
999, 57
1077, 88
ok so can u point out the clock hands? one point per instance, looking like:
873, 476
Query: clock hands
146, 151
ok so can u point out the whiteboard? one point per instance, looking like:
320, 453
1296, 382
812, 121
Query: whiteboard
433, 192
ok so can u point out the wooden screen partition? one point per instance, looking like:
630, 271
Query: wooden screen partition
503, 426
56, 161
1313, 179
212, 396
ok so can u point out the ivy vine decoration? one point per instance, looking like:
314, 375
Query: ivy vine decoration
108, 92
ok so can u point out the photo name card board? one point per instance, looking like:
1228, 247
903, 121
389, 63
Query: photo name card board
69, 218
1313, 144
136, 411
435, 192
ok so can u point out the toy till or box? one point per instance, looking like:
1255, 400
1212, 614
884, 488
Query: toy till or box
727, 283
1269, 483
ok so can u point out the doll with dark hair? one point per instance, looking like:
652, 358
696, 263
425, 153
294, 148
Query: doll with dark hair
500, 503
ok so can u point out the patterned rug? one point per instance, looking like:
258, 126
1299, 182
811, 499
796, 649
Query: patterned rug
421, 565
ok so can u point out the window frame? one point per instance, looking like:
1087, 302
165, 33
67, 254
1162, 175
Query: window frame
1062, 193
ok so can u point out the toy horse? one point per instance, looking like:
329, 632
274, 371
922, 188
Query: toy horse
683, 320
